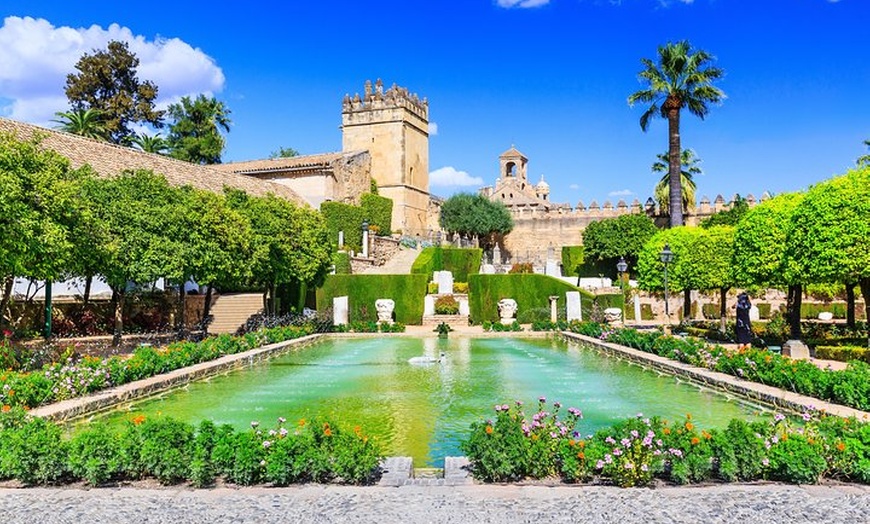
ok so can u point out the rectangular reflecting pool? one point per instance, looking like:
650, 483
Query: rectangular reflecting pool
424, 410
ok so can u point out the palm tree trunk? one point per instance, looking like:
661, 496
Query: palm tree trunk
7, 296
675, 204
850, 304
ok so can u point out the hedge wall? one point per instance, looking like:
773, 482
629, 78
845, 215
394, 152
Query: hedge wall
362, 291
375, 209
461, 262
342, 263
531, 291
574, 261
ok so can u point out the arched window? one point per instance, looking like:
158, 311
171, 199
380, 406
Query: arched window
510, 169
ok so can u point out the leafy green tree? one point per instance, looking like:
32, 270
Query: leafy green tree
150, 143
476, 215
683, 275
290, 243
606, 240
107, 81
728, 217
864, 160
830, 229
83, 122
40, 197
760, 254
195, 133
681, 78
138, 216
713, 254
284, 152
689, 168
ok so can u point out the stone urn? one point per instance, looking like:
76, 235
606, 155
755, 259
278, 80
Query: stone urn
507, 310
385, 307
613, 315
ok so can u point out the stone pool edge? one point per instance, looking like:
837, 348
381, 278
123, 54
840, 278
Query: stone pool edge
112, 397
714, 379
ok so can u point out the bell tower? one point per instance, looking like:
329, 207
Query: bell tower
393, 126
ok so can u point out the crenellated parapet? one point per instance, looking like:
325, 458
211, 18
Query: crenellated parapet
376, 99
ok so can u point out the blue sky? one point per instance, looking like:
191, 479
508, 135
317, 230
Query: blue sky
550, 77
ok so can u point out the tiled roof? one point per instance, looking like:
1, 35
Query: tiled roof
286, 164
110, 160
512, 152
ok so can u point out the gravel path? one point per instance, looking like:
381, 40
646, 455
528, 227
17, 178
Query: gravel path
746, 504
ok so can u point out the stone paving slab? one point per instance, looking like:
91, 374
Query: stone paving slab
494, 504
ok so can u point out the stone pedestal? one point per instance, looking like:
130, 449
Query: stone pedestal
613, 315
464, 310
573, 309
340, 311
795, 349
554, 312
754, 315
637, 314
428, 305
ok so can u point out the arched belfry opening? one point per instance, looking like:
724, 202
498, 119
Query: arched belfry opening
510, 170
513, 165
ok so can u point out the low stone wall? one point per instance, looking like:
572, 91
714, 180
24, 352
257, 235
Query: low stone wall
752, 390
109, 398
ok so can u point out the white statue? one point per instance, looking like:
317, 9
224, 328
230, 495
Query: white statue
613, 315
507, 309
385, 307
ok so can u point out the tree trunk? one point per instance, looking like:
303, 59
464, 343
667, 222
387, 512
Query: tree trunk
850, 304
206, 310
865, 294
7, 296
723, 310
118, 301
87, 297
793, 307
266, 299
687, 305
180, 324
675, 200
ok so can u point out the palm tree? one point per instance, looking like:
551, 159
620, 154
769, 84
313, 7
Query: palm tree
864, 160
689, 163
151, 143
682, 77
83, 122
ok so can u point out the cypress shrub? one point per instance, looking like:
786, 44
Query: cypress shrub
378, 211
531, 291
462, 262
362, 291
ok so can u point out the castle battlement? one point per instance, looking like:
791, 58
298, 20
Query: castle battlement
393, 98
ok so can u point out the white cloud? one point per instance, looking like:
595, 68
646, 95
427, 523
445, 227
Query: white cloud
433, 128
449, 176
521, 4
621, 192
574, 186
36, 56
667, 3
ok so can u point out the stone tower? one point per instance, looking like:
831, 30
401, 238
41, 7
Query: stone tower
393, 126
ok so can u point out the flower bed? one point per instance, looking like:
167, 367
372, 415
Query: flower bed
634, 452
75, 378
33, 451
849, 387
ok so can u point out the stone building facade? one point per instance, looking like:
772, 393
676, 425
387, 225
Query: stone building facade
541, 225
393, 126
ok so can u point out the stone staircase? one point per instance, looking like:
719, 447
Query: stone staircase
230, 311
398, 264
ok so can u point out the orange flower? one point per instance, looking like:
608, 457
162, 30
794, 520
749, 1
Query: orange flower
534, 436
489, 430
571, 443
706, 435
357, 430
301, 422
689, 426
666, 431
582, 444
5, 408
138, 419
581, 455
327, 432
695, 441
841, 446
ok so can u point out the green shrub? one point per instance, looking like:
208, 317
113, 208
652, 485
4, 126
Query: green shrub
446, 305
459, 261
843, 353
363, 290
811, 311
460, 288
740, 449
166, 449
572, 260
395, 327
342, 263
797, 459
33, 451
378, 210
432, 288
95, 455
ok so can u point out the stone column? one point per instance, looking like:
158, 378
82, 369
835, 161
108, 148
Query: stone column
341, 240
554, 313
365, 244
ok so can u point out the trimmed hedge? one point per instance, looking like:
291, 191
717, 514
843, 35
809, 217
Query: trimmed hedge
531, 291
461, 262
843, 353
342, 263
377, 210
362, 291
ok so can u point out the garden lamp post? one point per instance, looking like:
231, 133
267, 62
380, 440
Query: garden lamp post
622, 267
667, 256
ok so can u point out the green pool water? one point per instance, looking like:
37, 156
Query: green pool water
424, 411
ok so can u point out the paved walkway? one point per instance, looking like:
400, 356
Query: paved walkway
756, 504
